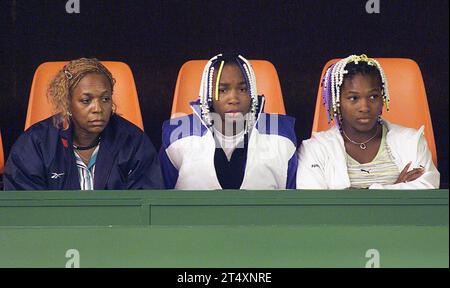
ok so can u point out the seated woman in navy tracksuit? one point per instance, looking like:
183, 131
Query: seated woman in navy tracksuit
85, 146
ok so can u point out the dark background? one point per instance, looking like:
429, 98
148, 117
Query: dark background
156, 37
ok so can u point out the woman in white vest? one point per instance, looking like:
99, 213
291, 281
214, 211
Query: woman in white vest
229, 142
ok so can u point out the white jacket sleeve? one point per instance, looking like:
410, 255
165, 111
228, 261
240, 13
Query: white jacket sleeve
310, 173
429, 180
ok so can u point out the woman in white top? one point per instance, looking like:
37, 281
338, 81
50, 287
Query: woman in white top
362, 150
229, 142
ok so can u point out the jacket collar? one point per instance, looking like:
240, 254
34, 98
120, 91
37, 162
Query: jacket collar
109, 145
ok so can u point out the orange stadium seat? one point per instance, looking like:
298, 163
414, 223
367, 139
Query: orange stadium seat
188, 86
125, 95
408, 106
2, 157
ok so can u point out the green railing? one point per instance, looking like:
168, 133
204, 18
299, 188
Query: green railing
104, 208
224, 228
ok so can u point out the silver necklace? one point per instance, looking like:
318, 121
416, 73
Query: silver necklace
362, 145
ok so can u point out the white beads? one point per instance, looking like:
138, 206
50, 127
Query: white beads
250, 75
206, 90
337, 78
386, 96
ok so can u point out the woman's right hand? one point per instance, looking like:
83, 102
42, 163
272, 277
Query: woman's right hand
408, 176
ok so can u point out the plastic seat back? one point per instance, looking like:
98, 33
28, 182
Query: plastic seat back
124, 96
2, 156
188, 86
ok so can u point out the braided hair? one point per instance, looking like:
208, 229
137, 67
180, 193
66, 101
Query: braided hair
346, 69
206, 93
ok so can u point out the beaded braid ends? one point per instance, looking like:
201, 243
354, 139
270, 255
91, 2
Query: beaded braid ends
206, 93
334, 78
